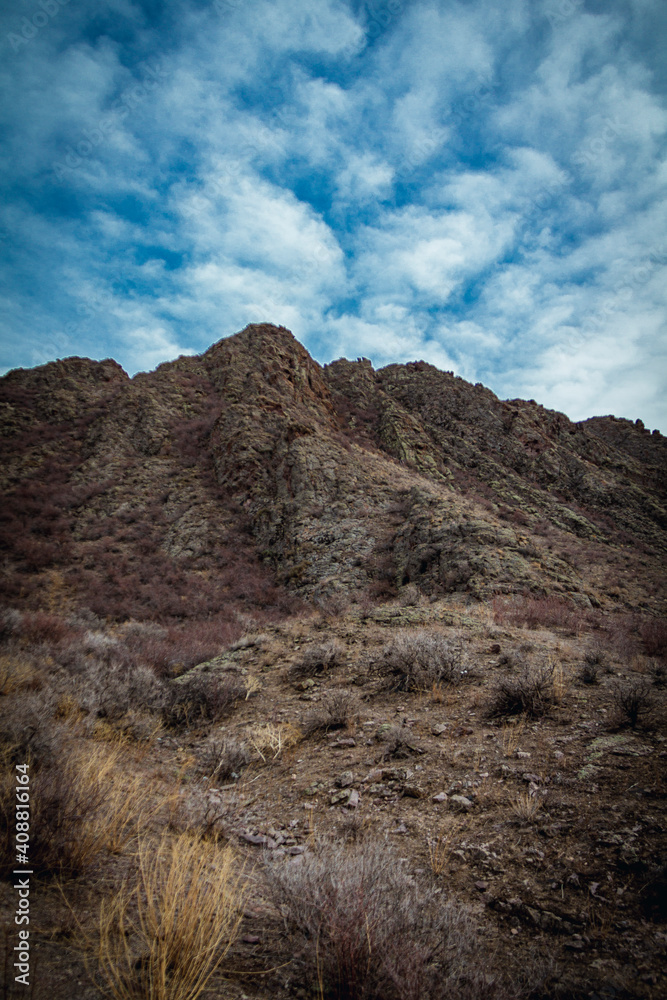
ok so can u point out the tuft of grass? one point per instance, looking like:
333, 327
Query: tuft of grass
168, 929
526, 806
270, 740
83, 804
440, 847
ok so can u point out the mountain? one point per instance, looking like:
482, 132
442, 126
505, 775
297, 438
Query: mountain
398, 644
251, 475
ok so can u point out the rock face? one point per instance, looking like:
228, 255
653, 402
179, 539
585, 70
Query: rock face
253, 463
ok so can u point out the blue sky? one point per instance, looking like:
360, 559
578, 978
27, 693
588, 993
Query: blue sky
479, 184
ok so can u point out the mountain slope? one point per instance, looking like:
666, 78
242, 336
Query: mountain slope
218, 485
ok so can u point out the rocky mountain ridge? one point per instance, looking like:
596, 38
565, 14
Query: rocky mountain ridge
322, 481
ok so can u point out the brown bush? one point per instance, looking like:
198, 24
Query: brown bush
538, 612
202, 698
318, 659
337, 710
367, 930
654, 637
417, 660
221, 759
633, 702
531, 693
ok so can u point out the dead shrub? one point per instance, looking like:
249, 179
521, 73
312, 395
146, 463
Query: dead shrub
337, 710
109, 689
369, 931
202, 698
221, 759
633, 702
537, 612
398, 742
168, 929
531, 693
29, 730
657, 670
589, 673
417, 660
318, 659
654, 637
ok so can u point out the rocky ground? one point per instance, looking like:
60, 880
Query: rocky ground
550, 828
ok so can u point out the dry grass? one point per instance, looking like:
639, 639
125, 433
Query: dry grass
84, 802
526, 807
511, 738
166, 931
270, 740
441, 846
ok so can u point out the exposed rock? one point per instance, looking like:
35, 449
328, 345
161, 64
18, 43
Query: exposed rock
461, 803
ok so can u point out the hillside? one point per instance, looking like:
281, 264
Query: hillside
385, 653
334, 480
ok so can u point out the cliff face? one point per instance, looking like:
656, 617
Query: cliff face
220, 480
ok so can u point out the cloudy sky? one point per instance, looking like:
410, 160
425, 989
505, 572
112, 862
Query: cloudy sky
479, 183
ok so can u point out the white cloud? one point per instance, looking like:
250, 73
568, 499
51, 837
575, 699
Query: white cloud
482, 186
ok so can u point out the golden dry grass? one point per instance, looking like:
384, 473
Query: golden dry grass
167, 930
269, 740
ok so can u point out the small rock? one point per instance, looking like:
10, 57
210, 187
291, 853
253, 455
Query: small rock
256, 841
353, 800
250, 939
374, 775
531, 777
461, 803
439, 728
440, 797
345, 780
482, 886
401, 828
522, 754
411, 792
339, 797
296, 850
347, 742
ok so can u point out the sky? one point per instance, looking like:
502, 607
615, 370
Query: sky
480, 184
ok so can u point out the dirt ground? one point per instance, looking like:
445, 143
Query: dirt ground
552, 829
